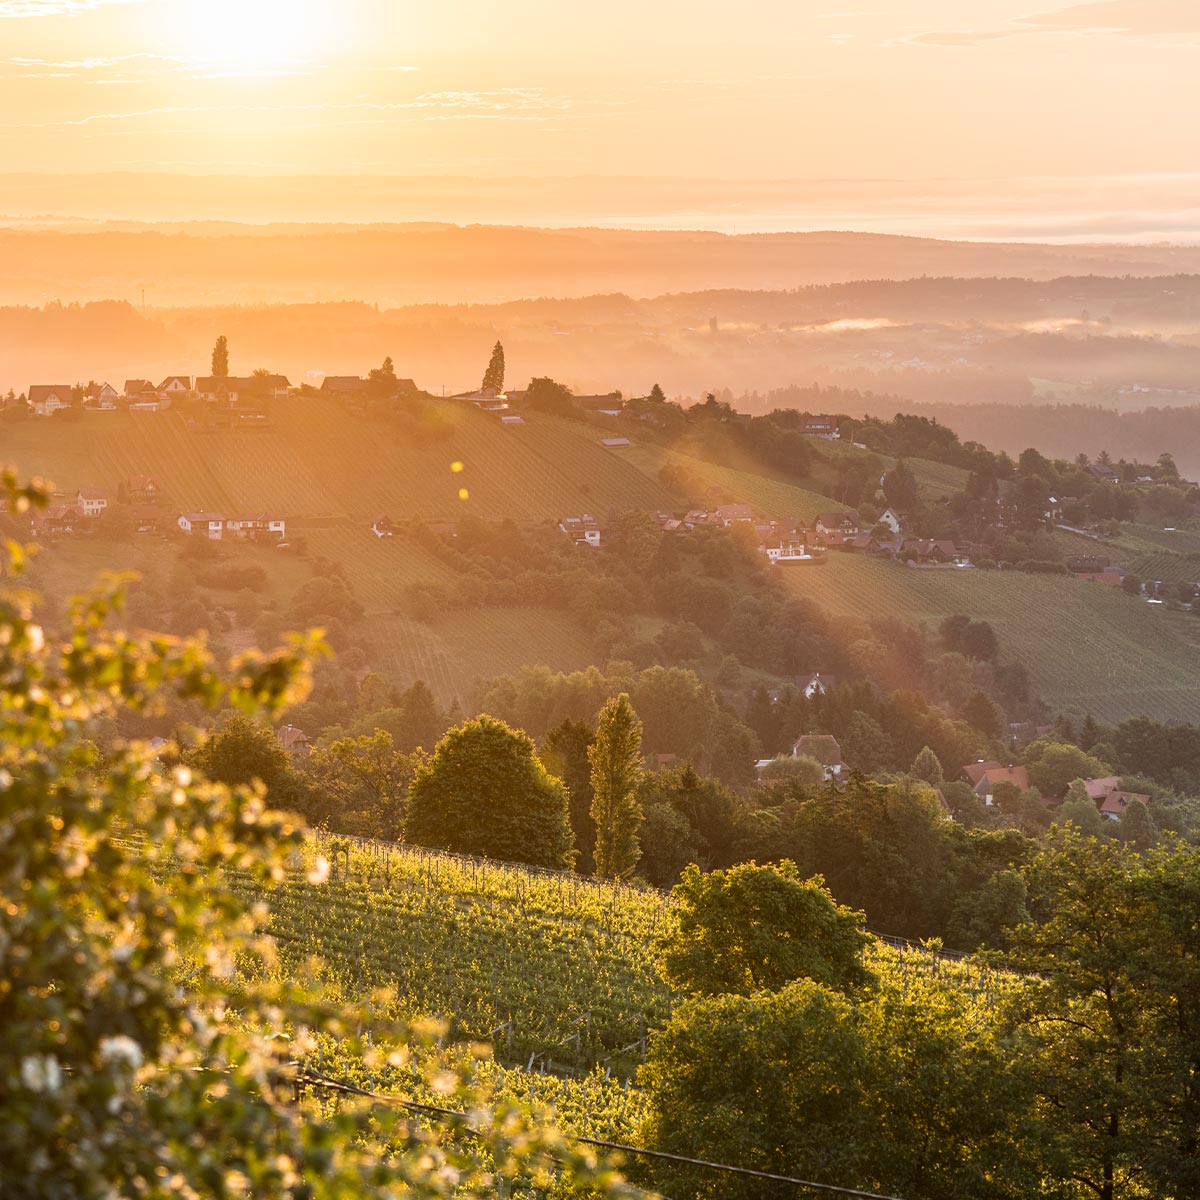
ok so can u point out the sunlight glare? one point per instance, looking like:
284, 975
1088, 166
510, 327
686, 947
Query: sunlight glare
258, 35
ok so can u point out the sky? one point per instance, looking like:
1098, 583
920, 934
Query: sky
810, 90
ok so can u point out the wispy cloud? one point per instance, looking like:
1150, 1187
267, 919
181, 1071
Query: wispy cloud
517, 104
17, 9
1126, 18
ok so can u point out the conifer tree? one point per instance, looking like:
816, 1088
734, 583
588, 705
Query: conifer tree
926, 766
493, 377
220, 358
616, 763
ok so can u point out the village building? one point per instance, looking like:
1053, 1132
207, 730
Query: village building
344, 386
892, 519
825, 749
825, 428
1111, 799
143, 487
101, 396
45, 399
91, 501
485, 399
815, 684
383, 526
984, 776
174, 387
844, 522
140, 389
256, 527
57, 520
933, 552
602, 406
203, 524
584, 530
295, 741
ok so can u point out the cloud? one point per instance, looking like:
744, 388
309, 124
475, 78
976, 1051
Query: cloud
513, 104
1126, 18
17, 9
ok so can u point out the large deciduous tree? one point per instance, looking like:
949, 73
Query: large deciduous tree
616, 769
485, 791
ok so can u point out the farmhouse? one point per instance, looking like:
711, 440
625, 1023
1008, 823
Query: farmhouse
257, 526
218, 389
815, 684
91, 501
146, 518
174, 386
1110, 798
825, 428
892, 519
204, 524
56, 520
788, 550
143, 487
931, 552
485, 399
824, 748
140, 389
101, 396
844, 522
344, 385
45, 399
583, 530
604, 406
295, 741
732, 514
984, 776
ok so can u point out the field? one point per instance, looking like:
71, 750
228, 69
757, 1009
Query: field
1087, 647
769, 497
317, 460
467, 646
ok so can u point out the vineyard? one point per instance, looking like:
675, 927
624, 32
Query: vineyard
465, 646
1087, 647
769, 497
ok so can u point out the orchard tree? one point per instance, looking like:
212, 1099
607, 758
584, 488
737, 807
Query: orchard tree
485, 791
493, 377
751, 927
616, 769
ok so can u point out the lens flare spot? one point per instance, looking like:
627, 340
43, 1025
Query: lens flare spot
456, 467
463, 494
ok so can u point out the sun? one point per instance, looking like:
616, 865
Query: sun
253, 35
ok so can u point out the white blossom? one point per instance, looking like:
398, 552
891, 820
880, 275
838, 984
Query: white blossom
121, 1051
41, 1073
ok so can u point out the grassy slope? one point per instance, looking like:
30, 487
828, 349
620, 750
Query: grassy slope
1087, 647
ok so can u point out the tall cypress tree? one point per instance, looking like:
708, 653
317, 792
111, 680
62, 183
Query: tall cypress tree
493, 377
616, 763
220, 358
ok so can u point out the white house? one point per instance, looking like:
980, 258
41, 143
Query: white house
91, 501
891, 518
581, 530
174, 386
487, 399
815, 684
788, 550
45, 399
104, 397
257, 525
206, 524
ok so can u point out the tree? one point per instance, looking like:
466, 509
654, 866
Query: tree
220, 358
1054, 765
800, 770
982, 712
657, 395
358, 785
900, 488
867, 745
565, 753
616, 762
381, 381
125, 1067
243, 750
485, 791
1079, 809
1137, 826
751, 927
549, 396
493, 377
927, 767
1107, 1016
1132, 585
